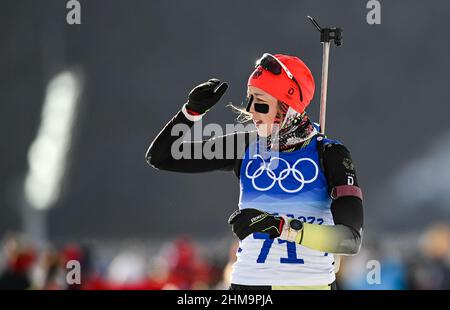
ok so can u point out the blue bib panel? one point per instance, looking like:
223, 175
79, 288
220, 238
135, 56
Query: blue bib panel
283, 182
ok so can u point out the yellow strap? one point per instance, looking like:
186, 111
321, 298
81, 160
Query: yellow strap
325, 238
308, 287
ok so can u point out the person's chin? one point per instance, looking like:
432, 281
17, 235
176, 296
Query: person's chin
263, 132
263, 129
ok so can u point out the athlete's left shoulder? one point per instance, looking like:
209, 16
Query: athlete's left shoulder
336, 150
332, 146
338, 163
324, 141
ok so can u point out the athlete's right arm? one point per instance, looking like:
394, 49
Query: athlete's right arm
190, 155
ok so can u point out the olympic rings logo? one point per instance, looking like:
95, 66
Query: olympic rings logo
265, 167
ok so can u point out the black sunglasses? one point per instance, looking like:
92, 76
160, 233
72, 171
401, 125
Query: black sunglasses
272, 64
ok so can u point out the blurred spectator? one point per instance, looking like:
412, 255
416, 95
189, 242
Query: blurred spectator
47, 273
187, 270
430, 270
406, 262
355, 270
226, 278
20, 256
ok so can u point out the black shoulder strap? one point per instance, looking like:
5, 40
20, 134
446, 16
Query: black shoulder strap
320, 148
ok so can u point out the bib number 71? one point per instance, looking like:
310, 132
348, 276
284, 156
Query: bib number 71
267, 244
290, 246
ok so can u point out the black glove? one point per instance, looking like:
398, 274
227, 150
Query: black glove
248, 221
204, 96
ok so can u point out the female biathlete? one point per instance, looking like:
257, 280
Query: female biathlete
300, 201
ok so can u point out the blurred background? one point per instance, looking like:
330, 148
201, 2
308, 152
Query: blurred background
80, 104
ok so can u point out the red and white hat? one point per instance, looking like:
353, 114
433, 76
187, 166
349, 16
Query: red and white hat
282, 87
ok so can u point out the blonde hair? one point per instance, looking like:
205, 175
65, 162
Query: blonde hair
243, 115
